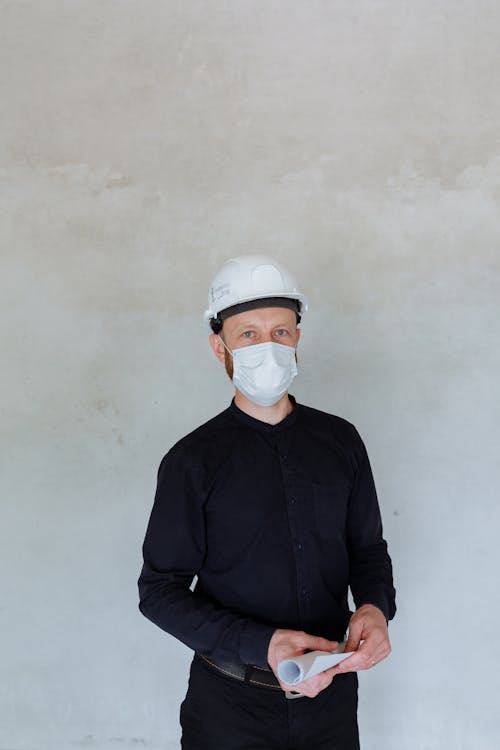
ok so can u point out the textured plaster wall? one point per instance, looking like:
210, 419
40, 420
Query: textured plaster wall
141, 144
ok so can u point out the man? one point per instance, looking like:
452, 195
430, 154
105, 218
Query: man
272, 506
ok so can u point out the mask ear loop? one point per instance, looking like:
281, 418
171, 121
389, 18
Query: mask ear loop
224, 344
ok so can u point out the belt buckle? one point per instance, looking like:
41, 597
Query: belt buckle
291, 695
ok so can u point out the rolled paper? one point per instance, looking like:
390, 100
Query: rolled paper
293, 671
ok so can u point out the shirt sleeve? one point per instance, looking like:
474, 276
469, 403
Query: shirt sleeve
173, 551
370, 578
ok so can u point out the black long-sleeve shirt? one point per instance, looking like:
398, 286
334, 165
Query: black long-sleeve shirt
276, 521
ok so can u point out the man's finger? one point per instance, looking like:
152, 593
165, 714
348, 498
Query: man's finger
321, 677
316, 643
365, 657
314, 685
354, 636
352, 664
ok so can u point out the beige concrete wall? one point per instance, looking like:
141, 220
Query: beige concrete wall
142, 143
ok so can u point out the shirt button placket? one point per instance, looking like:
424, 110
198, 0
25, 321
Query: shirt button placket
294, 523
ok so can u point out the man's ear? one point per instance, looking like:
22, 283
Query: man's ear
217, 346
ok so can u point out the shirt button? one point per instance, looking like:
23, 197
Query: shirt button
299, 545
284, 457
292, 501
303, 591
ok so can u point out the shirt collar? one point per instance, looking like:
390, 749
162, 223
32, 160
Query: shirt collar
257, 424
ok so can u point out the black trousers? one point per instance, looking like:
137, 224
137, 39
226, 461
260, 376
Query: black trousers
222, 713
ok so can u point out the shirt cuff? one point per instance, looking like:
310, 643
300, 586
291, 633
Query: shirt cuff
381, 603
254, 644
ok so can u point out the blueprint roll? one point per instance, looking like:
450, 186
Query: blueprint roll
293, 671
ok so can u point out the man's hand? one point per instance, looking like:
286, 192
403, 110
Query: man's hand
368, 624
287, 644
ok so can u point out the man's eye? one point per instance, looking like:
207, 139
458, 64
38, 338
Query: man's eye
247, 334
281, 332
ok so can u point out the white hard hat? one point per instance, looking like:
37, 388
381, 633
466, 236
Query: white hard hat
251, 277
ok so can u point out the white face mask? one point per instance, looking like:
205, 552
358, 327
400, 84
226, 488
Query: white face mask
263, 372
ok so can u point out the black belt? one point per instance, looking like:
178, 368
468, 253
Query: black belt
248, 673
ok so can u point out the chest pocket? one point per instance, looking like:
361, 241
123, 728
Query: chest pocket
330, 509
